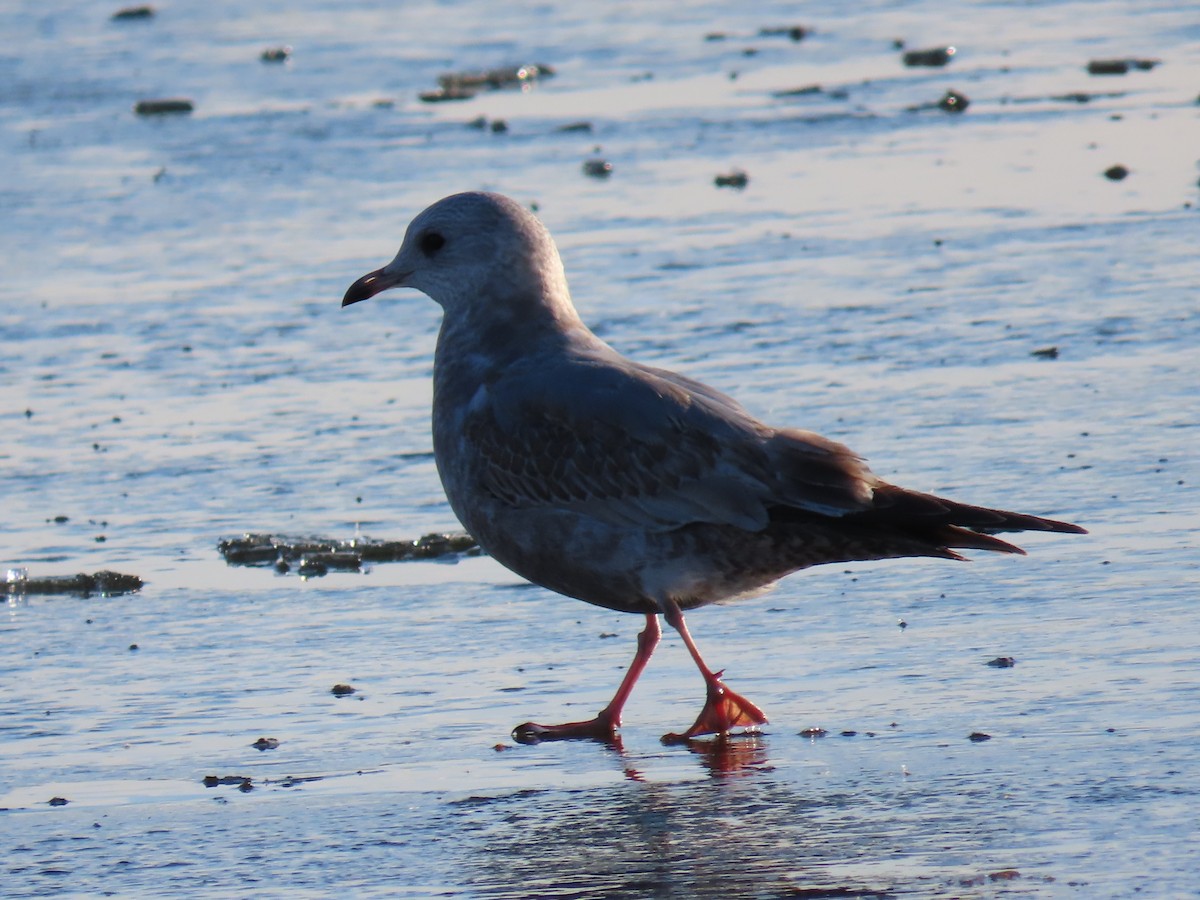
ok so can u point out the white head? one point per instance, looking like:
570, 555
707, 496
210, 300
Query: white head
479, 255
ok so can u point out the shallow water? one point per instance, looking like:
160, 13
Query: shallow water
177, 370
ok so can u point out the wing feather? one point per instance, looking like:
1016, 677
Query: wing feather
632, 445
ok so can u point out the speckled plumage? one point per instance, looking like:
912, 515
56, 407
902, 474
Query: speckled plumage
626, 486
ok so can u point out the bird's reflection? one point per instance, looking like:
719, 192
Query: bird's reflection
731, 755
732, 829
741, 815
723, 756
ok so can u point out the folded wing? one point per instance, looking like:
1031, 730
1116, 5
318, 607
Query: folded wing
632, 445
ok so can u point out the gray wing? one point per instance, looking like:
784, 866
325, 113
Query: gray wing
632, 445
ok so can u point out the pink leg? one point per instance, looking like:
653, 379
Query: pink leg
723, 709
604, 726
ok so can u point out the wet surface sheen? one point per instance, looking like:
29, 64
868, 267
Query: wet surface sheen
177, 370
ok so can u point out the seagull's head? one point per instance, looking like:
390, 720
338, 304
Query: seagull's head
475, 254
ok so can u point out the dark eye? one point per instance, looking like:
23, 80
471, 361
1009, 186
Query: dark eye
431, 243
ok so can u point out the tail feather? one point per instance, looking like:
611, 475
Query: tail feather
965, 539
900, 522
897, 504
948, 524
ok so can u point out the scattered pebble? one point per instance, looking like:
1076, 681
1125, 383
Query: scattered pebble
795, 32
1116, 173
505, 76
1120, 66
735, 179
167, 106
934, 57
575, 128
499, 126
953, 101
134, 647
341, 690
265, 743
1002, 662
465, 85
130, 13
805, 91
59, 801
597, 168
1108, 67
216, 780
1045, 353
978, 737
276, 54
848, 733
813, 733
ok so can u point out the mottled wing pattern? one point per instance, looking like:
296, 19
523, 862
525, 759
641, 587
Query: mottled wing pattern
804, 469
668, 452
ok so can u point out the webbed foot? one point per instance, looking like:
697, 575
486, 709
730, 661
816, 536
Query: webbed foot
723, 711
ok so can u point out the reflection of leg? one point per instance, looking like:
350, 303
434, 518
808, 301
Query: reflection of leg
608, 720
723, 709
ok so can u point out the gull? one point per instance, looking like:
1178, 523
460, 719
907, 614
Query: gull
631, 487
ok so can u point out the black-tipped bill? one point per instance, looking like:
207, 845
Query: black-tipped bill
370, 285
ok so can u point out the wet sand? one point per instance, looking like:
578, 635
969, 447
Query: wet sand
962, 295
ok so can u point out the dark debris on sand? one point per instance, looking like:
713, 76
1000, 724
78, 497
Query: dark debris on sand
933, 57
164, 107
597, 168
465, 85
106, 584
736, 179
952, 102
131, 13
314, 556
1120, 66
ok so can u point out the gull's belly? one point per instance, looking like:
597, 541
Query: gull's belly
621, 567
